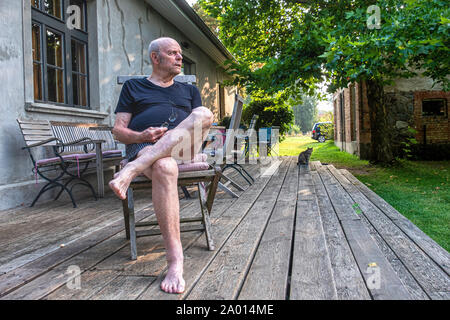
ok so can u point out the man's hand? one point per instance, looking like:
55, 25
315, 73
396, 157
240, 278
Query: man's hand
152, 134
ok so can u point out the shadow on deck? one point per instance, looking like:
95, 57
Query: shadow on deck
297, 233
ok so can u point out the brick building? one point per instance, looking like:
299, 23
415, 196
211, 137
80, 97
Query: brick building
412, 103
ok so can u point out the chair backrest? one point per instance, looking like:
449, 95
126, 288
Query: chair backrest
234, 124
71, 131
253, 121
190, 79
34, 131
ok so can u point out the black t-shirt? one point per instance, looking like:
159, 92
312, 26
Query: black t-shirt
152, 105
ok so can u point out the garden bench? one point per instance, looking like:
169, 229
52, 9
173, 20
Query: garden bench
106, 150
65, 161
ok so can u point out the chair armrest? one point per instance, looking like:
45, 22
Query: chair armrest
37, 144
105, 128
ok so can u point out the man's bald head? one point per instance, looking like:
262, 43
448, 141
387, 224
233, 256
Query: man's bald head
157, 44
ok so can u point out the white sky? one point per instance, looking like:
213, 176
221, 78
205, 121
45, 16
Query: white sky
191, 2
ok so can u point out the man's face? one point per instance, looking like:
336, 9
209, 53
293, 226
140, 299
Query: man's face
170, 58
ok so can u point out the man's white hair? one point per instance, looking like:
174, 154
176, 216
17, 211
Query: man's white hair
155, 46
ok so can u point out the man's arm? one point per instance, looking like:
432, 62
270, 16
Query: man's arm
127, 136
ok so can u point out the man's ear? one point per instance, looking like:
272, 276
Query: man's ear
154, 57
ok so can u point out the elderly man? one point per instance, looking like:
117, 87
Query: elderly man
154, 116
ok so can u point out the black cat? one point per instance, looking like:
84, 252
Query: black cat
303, 157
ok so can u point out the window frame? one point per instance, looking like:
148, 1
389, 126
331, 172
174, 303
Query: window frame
56, 25
435, 115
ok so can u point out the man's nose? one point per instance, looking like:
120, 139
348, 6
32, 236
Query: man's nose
179, 56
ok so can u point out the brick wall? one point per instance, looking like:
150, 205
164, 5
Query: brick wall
437, 127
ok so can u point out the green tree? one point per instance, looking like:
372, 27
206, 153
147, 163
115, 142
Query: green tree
272, 111
209, 20
296, 44
305, 114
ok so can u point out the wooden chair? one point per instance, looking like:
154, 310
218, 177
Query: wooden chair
231, 152
69, 156
197, 173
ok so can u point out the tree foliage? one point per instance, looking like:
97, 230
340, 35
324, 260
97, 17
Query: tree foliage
271, 112
305, 114
297, 44
293, 45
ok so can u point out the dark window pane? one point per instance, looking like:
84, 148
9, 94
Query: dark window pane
79, 90
78, 57
81, 5
54, 49
35, 3
55, 85
83, 90
53, 7
37, 81
36, 38
434, 107
75, 89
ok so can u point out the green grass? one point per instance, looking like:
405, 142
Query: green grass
417, 189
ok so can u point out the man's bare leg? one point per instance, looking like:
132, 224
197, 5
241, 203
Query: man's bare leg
163, 148
164, 174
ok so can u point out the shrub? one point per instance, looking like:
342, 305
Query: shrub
271, 112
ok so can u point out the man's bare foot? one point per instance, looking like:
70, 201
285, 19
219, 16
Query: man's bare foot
174, 282
121, 181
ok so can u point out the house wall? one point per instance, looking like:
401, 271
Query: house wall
119, 35
404, 102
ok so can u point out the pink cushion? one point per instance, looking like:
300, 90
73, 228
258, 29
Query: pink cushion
66, 157
194, 166
112, 153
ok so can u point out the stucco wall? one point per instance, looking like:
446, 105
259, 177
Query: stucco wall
119, 34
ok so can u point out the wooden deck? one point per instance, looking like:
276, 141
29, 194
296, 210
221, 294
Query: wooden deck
295, 234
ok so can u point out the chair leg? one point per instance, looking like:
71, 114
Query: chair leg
246, 172
186, 192
126, 217
205, 215
132, 224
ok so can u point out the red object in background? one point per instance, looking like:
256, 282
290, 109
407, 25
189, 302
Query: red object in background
314, 131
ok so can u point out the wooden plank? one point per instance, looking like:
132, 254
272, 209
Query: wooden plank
311, 278
91, 282
38, 132
366, 251
119, 264
270, 267
124, 288
196, 259
39, 266
151, 252
438, 254
32, 121
35, 126
46, 280
431, 278
340, 199
226, 273
348, 280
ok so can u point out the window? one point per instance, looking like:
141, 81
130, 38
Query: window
60, 52
188, 67
434, 107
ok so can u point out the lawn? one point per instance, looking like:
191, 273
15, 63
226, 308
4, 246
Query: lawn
417, 189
